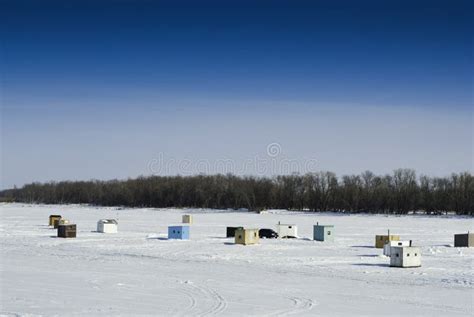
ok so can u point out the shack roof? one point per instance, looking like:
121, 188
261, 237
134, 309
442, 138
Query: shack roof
113, 221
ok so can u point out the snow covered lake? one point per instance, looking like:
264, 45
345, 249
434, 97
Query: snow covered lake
138, 272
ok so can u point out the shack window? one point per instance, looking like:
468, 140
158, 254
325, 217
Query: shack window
329, 233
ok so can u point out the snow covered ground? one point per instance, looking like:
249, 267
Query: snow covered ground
138, 272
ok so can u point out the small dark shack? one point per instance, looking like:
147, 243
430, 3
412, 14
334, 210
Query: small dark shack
464, 240
231, 231
67, 231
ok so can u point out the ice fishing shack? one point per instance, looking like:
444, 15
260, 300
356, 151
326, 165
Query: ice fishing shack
405, 256
178, 232
107, 226
381, 240
323, 232
246, 236
464, 240
286, 230
187, 219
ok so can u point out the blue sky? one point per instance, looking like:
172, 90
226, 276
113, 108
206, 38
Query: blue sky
98, 89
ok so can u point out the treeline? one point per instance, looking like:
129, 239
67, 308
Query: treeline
399, 193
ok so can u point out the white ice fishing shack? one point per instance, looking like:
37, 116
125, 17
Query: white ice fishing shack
287, 230
107, 226
405, 256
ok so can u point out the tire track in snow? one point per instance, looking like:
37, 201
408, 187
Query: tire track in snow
195, 292
220, 304
300, 306
191, 298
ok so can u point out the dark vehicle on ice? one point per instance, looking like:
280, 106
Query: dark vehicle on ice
267, 234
